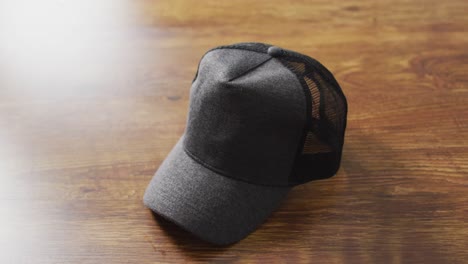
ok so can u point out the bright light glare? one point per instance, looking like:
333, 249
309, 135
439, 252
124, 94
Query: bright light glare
47, 39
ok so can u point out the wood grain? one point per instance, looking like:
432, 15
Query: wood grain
94, 94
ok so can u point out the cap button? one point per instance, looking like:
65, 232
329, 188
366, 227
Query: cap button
275, 51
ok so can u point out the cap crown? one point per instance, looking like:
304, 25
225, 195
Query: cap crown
255, 116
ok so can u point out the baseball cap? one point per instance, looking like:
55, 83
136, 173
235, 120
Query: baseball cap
261, 120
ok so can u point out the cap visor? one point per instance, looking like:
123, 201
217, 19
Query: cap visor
215, 208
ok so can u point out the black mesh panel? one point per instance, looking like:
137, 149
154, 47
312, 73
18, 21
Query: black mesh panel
321, 150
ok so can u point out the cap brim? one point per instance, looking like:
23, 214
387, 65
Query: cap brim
213, 207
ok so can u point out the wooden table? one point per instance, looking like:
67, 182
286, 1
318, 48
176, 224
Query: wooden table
94, 94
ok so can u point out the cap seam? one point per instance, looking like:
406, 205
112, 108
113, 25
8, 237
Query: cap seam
250, 70
224, 174
238, 48
223, 47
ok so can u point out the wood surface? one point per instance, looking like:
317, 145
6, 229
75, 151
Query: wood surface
94, 94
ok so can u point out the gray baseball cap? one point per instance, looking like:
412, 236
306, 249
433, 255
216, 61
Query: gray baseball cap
261, 120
